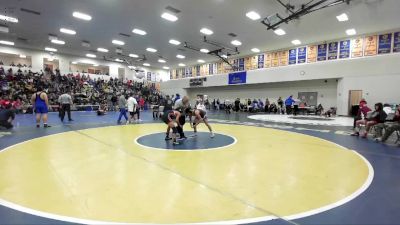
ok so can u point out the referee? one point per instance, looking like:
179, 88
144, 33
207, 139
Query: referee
65, 101
181, 105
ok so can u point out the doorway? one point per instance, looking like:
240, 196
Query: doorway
355, 97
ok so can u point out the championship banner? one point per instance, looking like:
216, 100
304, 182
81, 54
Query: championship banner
206, 69
247, 63
220, 68
267, 60
171, 75
321, 52
210, 69
371, 44
275, 59
283, 58
385, 43
183, 72
190, 71
332, 50
311, 53
237, 78
260, 61
301, 55
357, 48
396, 42
177, 74
215, 68
254, 62
292, 56
236, 64
241, 64
344, 50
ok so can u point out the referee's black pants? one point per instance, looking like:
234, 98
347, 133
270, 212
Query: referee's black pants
65, 108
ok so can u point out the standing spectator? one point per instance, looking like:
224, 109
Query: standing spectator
288, 103
122, 108
40, 103
280, 105
267, 103
141, 103
132, 107
65, 101
6, 117
237, 105
114, 100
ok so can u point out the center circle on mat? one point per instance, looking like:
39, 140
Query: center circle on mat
198, 141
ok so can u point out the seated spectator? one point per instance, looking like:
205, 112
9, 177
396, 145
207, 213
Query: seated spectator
362, 112
319, 110
390, 127
6, 117
376, 117
261, 104
266, 107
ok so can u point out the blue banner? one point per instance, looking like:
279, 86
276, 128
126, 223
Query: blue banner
210, 69
261, 61
292, 56
396, 43
301, 54
332, 50
241, 64
344, 49
237, 78
321, 52
198, 70
385, 43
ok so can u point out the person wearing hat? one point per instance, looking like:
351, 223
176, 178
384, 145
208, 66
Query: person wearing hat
362, 112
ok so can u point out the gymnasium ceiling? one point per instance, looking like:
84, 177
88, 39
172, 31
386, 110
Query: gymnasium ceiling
112, 17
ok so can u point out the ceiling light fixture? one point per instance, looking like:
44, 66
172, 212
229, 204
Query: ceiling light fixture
146, 64
296, 42
162, 61
67, 31
6, 42
166, 68
224, 56
206, 31
74, 63
82, 16
8, 19
201, 61
180, 56
95, 65
133, 56
181, 64
256, 50
169, 17
50, 49
253, 15
351, 32
91, 55
342, 17
151, 49
118, 42
236, 42
280, 32
102, 50
203, 50
132, 67
58, 42
174, 42
22, 56
118, 60
139, 31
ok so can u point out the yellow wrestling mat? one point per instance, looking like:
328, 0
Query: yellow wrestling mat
102, 175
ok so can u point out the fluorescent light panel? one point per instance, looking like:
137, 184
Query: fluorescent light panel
296, 42
224, 56
91, 55
82, 16
169, 17
279, 32
181, 64
133, 56
174, 42
206, 31
180, 56
151, 49
67, 31
118, 42
58, 42
146, 64
166, 68
118, 60
236, 42
256, 50
50, 49
139, 31
342, 17
8, 19
203, 50
102, 50
351, 31
6, 42
253, 15
201, 61
162, 61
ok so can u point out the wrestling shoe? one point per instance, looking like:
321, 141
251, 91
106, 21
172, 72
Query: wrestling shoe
167, 138
212, 135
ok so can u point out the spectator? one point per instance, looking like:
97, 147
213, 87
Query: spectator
6, 117
122, 108
377, 116
390, 127
267, 103
237, 105
289, 103
362, 112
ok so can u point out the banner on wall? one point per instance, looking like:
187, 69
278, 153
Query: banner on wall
292, 56
171, 76
210, 69
321, 52
198, 70
283, 58
254, 62
247, 63
332, 50
149, 76
344, 49
301, 55
260, 61
241, 64
385, 43
357, 48
371, 45
275, 59
267, 60
237, 78
311, 53
236, 64
177, 74
396, 42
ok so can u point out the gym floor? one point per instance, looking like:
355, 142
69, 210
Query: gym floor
92, 171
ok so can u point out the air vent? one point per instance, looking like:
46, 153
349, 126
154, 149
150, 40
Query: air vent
172, 9
125, 35
232, 35
30, 11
